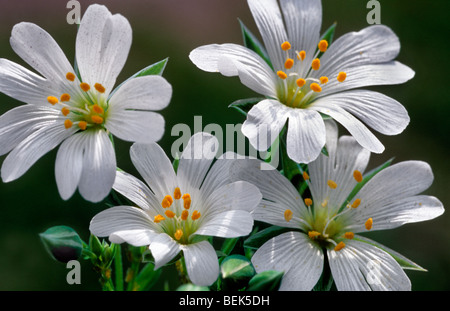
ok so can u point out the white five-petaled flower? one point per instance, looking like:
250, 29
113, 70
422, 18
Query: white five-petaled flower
177, 210
327, 219
311, 78
80, 114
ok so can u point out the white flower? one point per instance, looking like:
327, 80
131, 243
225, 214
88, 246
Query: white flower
304, 85
326, 220
79, 115
177, 209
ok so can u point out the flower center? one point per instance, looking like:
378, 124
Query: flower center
323, 224
86, 108
176, 220
297, 91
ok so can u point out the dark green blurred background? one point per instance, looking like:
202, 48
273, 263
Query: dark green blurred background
172, 28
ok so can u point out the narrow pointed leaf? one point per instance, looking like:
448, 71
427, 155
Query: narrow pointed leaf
251, 42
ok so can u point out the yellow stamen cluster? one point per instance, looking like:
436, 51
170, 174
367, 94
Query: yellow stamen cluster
325, 228
177, 213
85, 113
295, 94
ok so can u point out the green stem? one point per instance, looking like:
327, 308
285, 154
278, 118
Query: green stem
118, 267
134, 270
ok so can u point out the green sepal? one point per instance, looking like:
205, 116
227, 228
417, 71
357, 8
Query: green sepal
368, 176
192, 288
404, 262
156, 69
236, 271
265, 281
292, 170
252, 43
62, 243
244, 105
147, 277
326, 281
256, 240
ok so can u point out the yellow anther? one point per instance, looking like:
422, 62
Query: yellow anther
289, 63
324, 203
195, 215
65, 111
301, 55
158, 218
342, 76
356, 203
332, 184
315, 87
65, 97
369, 223
167, 201
97, 119
184, 214
169, 213
300, 82
340, 246
323, 80
281, 74
187, 200
82, 125
97, 109
52, 100
177, 193
288, 215
178, 234
323, 45
85, 87
285, 46
308, 202
358, 176
349, 235
100, 88
70, 76
315, 64
305, 175
68, 124
313, 234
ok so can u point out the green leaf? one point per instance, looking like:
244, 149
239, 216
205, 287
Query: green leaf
236, 268
62, 243
265, 281
154, 69
368, 176
244, 105
251, 42
404, 262
256, 240
147, 277
192, 288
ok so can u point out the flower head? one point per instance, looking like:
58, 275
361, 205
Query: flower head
310, 77
75, 110
328, 219
176, 210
